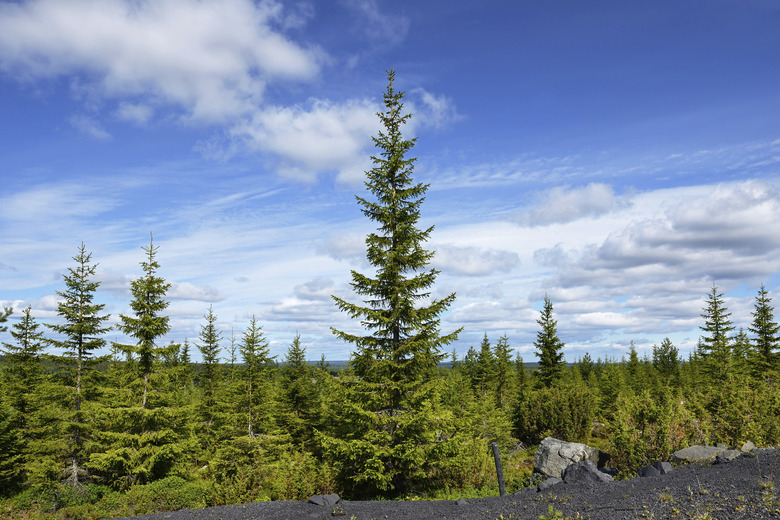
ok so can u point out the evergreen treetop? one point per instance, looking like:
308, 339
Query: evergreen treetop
548, 346
765, 329
147, 324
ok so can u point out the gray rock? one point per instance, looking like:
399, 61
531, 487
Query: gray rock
461, 502
325, 500
584, 471
547, 484
697, 454
721, 445
748, 447
727, 456
663, 467
553, 456
648, 471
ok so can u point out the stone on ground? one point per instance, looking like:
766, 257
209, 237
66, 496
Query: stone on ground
697, 454
554, 456
585, 471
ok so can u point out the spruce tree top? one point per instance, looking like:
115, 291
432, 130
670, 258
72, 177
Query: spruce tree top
401, 332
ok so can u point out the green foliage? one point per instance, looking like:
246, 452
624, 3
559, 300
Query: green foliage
80, 334
666, 361
647, 428
564, 410
147, 323
548, 347
715, 347
300, 397
10, 450
389, 423
765, 357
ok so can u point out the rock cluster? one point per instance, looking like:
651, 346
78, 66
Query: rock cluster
559, 462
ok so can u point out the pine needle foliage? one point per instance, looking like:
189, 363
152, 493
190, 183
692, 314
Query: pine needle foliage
390, 426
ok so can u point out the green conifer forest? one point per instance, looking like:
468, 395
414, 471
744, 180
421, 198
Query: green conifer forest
145, 429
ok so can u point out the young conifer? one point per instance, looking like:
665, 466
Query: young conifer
147, 324
80, 335
391, 428
766, 341
548, 346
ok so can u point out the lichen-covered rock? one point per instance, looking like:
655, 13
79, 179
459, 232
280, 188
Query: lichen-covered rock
697, 454
748, 447
554, 456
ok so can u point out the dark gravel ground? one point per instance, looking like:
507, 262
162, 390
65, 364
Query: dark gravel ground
746, 488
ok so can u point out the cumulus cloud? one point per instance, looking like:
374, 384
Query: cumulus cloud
321, 136
431, 110
473, 261
565, 204
211, 59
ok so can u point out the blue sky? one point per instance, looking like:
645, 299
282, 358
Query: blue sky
620, 157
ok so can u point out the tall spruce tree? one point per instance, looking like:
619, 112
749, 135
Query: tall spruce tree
766, 341
390, 429
715, 346
254, 352
80, 335
147, 324
548, 347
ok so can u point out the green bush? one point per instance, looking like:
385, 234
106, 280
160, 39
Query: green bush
565, 411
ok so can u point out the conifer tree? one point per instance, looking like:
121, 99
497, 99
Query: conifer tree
254, 352
666, 361
11, 461
7, 311
504, 373
147, 324
23, 376
766, 341
548, 346
715, 347
80, 335
299, 395
485, 368
210, 409
585, 364
392, 423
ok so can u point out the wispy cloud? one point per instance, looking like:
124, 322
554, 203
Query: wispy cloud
377, 26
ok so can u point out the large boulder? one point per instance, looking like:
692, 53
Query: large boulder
554, 456
584, 471
705, 454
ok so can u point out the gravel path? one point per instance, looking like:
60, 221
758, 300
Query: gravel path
746, 488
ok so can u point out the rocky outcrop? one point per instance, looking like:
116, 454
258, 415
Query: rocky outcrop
554, 456
659, 468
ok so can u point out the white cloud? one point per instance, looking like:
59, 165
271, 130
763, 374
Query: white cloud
188, 291
565, 204
211, 59
319, 137
473, 261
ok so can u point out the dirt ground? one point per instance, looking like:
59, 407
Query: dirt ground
746, 488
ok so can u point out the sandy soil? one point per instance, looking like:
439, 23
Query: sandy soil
746, 488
